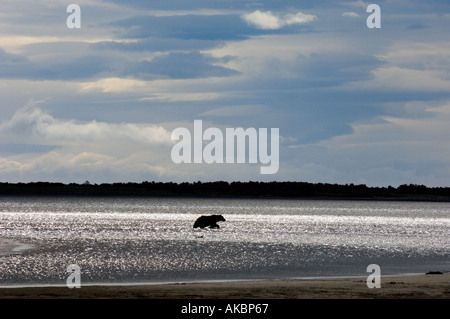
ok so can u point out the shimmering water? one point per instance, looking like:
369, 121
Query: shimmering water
129, 240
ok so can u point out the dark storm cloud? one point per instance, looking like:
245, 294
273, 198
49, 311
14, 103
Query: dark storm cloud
14, 66
225, 4
186, 32
188, 27
330, 69
158, 44
8, 59
12, 149
172, 65
183, 66
327, 84
223, 27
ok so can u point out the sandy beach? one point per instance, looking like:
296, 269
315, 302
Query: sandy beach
426, 286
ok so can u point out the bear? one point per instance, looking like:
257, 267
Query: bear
211, 221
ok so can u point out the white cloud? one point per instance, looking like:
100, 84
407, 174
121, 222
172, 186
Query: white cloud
263, 20
350, 14
411, 66
168, 90
298, 18
268, 21
395, 78
114, 85
71, 165
31, 123
93, 150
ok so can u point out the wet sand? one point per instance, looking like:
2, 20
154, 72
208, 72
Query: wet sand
426, 286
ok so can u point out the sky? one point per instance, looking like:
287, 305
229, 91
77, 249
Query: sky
99, 103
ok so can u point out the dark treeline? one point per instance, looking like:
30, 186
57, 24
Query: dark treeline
233, 189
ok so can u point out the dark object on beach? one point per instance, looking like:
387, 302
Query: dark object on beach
211, 221
434, 273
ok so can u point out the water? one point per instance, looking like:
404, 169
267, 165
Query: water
135, 240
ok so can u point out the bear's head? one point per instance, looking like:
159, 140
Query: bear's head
219, 218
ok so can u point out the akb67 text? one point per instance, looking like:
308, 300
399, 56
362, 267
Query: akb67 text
246, 308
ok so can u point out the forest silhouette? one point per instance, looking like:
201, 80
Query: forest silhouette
301, 190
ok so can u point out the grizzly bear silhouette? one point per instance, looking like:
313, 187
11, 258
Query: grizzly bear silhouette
211, 221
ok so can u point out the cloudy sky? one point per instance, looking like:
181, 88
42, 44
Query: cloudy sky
99, 103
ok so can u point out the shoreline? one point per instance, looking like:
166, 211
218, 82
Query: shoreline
200, 281
420, 286
426, 199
